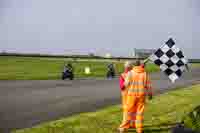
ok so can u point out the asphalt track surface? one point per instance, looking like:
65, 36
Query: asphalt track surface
27, 103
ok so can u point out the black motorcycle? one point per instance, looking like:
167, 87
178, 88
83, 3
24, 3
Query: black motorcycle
68, 72
111, 71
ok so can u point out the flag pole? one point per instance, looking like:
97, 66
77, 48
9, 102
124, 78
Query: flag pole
146, 60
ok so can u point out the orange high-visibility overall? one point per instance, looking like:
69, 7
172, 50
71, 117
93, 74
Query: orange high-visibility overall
138, 86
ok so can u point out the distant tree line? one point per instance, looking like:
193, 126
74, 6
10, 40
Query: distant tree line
89, 56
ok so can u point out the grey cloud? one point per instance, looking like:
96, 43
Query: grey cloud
115, 26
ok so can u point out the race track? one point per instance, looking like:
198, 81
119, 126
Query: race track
27, 103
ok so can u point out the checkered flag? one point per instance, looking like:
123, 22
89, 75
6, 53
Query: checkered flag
170, 59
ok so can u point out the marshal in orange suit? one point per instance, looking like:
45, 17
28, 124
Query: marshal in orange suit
138, 86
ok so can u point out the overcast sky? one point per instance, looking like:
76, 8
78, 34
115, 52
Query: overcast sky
99, 26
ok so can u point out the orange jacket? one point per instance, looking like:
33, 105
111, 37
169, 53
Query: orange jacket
138, 83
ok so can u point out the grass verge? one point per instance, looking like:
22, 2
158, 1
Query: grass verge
33, 68
160, 115
196, 65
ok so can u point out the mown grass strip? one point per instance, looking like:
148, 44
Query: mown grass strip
37, 68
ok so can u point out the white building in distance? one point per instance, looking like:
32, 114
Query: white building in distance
142, 53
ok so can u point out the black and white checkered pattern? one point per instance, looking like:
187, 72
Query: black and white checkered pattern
170, 59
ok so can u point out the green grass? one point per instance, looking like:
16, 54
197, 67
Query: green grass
196, 65
192, 119
160, 115
28, 68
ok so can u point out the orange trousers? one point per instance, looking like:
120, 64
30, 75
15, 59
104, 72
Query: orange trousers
124, 99
133, 111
